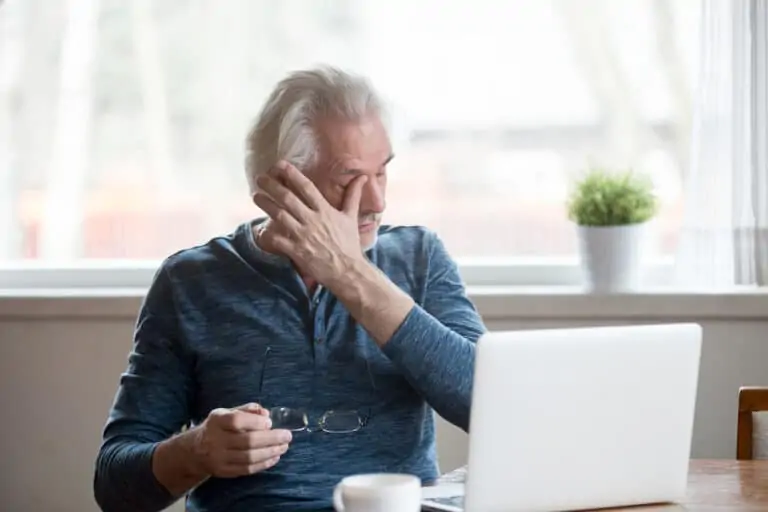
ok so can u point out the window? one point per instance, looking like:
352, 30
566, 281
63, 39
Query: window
122, 123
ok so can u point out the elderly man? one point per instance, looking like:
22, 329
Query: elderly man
303, 347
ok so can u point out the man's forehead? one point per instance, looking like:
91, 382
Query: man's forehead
364, 140
355, 165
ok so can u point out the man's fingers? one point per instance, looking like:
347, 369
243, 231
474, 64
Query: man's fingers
283, 196
255, 456
235, 470
240, 421
302, 186
276, 213
261, 466
253, 408
258, 439
277, 243
353, 195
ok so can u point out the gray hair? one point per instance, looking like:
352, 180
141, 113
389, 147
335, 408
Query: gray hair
285, 127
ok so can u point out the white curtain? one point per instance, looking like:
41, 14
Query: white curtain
724, 238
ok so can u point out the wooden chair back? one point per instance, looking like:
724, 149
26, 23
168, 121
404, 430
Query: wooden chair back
752, 424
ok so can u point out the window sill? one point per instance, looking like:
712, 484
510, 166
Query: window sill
571, 302
493, 302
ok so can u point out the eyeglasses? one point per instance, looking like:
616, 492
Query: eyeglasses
331, 422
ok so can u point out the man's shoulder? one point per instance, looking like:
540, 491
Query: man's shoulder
196, 271
404, 242
413, 256
217, 251
410, 245
405, 237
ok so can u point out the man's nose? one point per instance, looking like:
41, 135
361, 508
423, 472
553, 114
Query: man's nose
372, 199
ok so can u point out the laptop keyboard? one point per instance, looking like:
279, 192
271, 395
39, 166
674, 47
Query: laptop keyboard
452, 501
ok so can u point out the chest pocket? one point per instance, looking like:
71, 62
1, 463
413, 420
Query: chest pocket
229, 371
250, 360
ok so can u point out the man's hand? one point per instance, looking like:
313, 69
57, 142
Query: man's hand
236, 442
323, 242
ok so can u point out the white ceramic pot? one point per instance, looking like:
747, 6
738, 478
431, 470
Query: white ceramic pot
612, 257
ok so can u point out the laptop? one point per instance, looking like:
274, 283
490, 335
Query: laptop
575, 419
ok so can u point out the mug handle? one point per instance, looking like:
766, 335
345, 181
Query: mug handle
338, 502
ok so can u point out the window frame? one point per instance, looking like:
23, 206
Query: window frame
496, 272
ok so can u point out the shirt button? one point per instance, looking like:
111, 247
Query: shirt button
319, 340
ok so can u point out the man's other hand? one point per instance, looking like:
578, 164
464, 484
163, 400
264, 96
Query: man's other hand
239, 441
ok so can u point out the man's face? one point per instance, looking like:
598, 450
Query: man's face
349, 149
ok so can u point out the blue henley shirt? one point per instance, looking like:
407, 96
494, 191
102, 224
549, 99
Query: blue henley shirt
225, 323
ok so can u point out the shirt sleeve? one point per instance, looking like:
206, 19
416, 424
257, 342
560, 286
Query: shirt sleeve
435, 345
151, 405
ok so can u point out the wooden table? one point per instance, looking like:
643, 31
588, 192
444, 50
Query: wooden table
713, 486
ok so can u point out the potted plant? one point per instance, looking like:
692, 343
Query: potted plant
612, 211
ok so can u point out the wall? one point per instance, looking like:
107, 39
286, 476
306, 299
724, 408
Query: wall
60, 358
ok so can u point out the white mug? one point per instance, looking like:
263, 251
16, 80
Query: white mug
378, 492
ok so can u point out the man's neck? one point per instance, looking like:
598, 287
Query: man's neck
311, 285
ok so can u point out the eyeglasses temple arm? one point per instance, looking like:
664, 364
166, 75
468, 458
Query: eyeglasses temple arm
263, 371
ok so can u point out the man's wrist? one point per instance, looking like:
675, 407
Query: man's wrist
179, 462
372, 299
353, 273
197, 453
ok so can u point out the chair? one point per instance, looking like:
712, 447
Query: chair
752, 431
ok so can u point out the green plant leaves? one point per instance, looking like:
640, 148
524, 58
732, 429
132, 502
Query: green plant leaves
604, 198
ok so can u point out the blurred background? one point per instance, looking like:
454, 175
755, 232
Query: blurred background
122, 124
